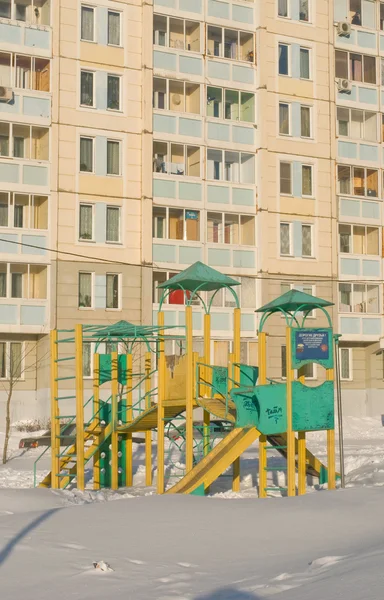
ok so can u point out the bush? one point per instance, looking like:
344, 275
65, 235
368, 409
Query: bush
32, 425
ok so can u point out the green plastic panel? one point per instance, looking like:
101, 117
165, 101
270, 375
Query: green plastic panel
248, 375
312, 346
219, 380
263, 407
106, 368
313, 408
105, 451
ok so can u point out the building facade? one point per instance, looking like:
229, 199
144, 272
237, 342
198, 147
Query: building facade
138, 138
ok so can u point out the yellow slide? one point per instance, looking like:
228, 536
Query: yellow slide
217, 461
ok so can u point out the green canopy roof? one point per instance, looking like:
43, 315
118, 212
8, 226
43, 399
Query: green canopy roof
124, 329
198, 277
292, 300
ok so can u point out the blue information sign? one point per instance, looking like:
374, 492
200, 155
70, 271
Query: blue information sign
311, 344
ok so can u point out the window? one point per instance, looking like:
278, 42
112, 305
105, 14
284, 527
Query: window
87, 88
228, 228
85, 290
345, 357
357, 124
180, 96
226, 165
285, 239
306, 288
306, 241
233, 105
113, 93
11, 360
114, 33
176, 224
24, 141
359, 239
308, 371
31, 73
362, 12
23, 281
282, 8
304, 11
86, 222
359, 298
283, 59
230, 43
382, 16
113, 224
305, 121
87, 24
306, 180
356, 67
305, 72
176, 33
88, 351
176, 159
285, 178
113, 157
36, 12
25, 211
246, 293
358, 181
113, 294
86, 155
284, 120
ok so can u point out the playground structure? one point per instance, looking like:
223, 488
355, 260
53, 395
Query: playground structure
158, 398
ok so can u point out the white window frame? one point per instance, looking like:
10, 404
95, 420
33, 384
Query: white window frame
11, 142
239, 216
92, 239
120, 158
222, 54
289, 74
119, 292
310, 136
288, 16
8, 359
223, 167
309, 50
92, 307
120, 77
94, 9
167, 45
119, 12
353, 304
309, 14
287, 194
311, 195
289, 104
33, 21
350, 364
88, 137
290, 239
93, 73
119, 208
169, 155
166, 228
351, 178
312, 228
11, 211
352, 225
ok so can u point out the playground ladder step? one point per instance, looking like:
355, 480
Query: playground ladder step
65, 358
65, 378
64, 455
65, 417
275, 468
271, 489
277, 447
65, 397
65, 475
63, 435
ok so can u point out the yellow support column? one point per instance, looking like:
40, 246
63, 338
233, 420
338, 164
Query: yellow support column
160, 406
80, 467
148, 434
189, 391
96, 419
114, 420
205, 389
301, 457
291, 450
331, 447
262, 439
236, 377
55, 422
128, 443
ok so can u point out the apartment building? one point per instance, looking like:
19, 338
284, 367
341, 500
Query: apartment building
138, 138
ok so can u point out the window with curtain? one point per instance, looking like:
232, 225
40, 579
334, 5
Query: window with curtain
15, 360
285, 178
4, 213
113, 224
306, 236
87, 357
18, 215
345, 363
18, 147
282, 8
86, 222
285, 238
112, 300
345, 239
113, 28
306, 176
87, 23
113, 157
113, 96
304, 11
304, 63
283, 59
3, 360
284, 128
16, 285
3, 285
85, 290
86, 88
305, 121
86, 155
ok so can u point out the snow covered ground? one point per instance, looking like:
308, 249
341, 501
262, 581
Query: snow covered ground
322, 546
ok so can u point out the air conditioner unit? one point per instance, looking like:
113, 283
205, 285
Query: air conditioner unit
344, 29
6, 94
344, 85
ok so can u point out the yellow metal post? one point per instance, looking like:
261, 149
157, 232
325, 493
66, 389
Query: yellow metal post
262, 439
80, 467
160, 405
331, 447
96, 418
236, 377
114, 420
301, 456
291, 450
148, 434
128, 443
189, 391
55, 422
205, 389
